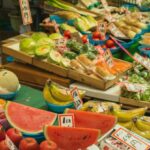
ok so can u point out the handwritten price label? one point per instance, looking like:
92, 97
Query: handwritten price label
143, 61
115, 31
102, 27
108, 58
10, 144
129, 139
135, 87
66, 120
76, 98
25, 12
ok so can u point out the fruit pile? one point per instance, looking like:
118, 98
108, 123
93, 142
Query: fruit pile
133, 120
23, 143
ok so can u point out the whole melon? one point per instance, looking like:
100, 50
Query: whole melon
8, 80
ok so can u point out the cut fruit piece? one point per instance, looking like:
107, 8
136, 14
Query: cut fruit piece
55, 57
28, 119
42, 51
71, 138
99, 121
65, 62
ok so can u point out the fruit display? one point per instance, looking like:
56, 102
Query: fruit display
74, 138
100, 121
38, 117
55, 94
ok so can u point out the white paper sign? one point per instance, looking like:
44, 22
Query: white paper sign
143, 61
129, 139
76, 98
66, 120
10, 144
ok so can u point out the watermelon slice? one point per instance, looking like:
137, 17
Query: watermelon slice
93, 120
68, 138
28, 119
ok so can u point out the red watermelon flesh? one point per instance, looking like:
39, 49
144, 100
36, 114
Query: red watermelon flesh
28, 119
68, 138
99, 121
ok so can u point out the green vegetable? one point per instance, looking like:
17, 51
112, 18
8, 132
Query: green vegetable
70, 55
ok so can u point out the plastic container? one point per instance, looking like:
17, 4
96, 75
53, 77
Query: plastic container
10, 95
144, 52
57, 108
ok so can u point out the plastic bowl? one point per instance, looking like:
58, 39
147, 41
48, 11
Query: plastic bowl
11, 95
144, 52
57, 108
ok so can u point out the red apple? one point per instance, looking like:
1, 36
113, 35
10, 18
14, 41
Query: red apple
96, 35
3, 145
110, 43
14, 135
84, 39
48, 145
67, 34
29, 144
2, 133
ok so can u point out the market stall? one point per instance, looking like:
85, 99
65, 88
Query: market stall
89, 69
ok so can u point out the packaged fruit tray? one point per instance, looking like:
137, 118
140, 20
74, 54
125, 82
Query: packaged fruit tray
134, 103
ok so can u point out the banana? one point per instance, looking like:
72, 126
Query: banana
146, 119
90, 106
145, 134
127, 125
142, 125
61, 94
49, 98
128, 115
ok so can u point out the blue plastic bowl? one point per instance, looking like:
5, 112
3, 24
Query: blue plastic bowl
39, 138
144, 52
11, 95
57, 108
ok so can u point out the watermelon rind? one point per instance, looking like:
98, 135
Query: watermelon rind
24, 132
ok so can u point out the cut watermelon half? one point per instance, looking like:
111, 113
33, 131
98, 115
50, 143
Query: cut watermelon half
71, 138
99, 121
27, 119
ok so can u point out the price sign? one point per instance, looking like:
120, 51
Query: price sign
102, 27
130, 139
25, 12
115, 31
135, 87
56, 27
66, 120
76, 36
10, 144
76, 98
108, 58
61, 44
143, 61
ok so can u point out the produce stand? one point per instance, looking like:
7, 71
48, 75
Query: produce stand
82, 81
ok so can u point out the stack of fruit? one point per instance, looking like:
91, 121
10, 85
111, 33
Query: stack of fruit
133, 120
58, 98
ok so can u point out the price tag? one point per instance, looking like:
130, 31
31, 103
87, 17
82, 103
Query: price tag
115, 31
25, 12
56, 27
102, 27
61, 44
143, 61
108, 58
130, 139
76, 36
66, 120
10, 144
135, 87
76, 98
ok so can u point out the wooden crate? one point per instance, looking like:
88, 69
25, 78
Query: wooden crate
134, 103
50, 67
12, 49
